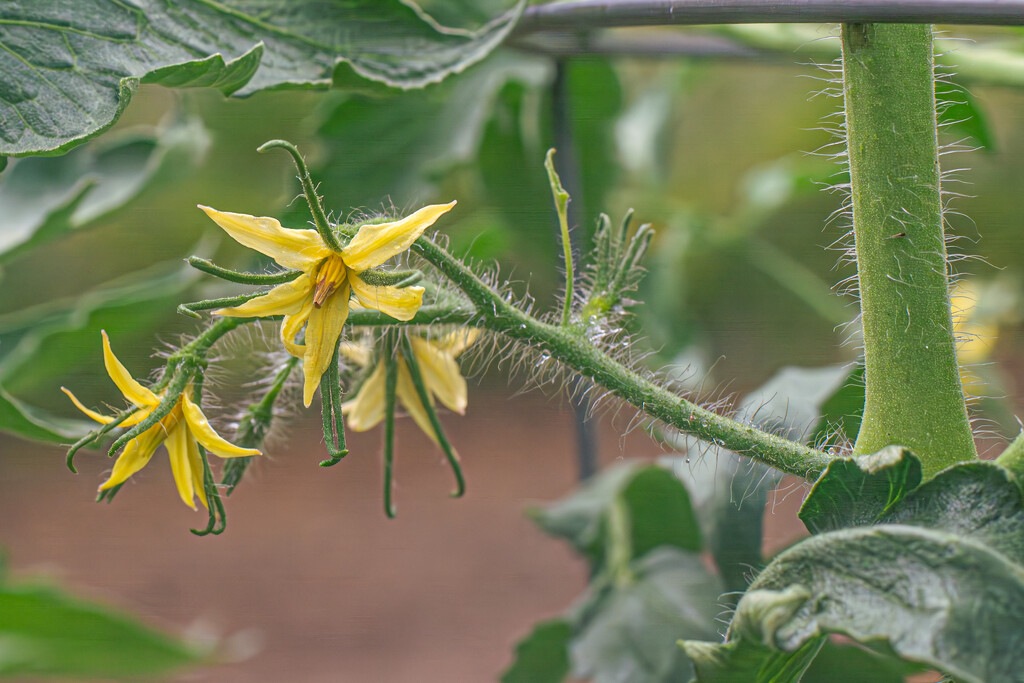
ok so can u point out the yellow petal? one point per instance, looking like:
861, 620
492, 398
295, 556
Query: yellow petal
135, 455
286, 299
301, 249
322, 331
102, 419
181, 468
375, 244
132, 390
399, 303
359, 354
458, 341
407, 395
196, 466
133, 419
366, 410
440, 374
204, 434
292, 325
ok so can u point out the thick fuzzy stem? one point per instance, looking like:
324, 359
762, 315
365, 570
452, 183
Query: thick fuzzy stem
914, 397
580, 354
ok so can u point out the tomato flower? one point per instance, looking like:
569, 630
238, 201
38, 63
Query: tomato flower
319, 297
181, 430
441, 375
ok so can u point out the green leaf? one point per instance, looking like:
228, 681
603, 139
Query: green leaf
919, 589
660, 512
30, 422
855, 664
947, 552
730, 491
748, 661
595, 104
842, 411
65, 81
45, 632
958, 109
59, 336
393, 148
654, 506
542, 656
860, 491
976, 500
44, 199
626, 633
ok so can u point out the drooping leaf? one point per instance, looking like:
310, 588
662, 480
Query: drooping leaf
626, 632
939, 580
67, 76
729, 495
660, 513
730, 491
542, 656
652, 502
46, 632
44, 343
29, 422
860, 491
44, 199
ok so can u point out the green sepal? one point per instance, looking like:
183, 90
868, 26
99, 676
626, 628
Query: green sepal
333, 420
616, 263
217, 520
390, 404
207, 304
211, 268
166, 405
94, 436
394, 278
435, 421
253, 428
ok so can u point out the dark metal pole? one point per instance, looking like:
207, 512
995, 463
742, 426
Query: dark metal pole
608, 13
567, 165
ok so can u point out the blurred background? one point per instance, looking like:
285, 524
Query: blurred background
311, 582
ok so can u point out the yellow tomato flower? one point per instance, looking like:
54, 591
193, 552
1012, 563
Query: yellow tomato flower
319, 298
181, 431
436, 360
975, 334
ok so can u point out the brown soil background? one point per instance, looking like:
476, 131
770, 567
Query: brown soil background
311, 582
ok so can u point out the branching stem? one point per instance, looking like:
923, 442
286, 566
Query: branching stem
570, 346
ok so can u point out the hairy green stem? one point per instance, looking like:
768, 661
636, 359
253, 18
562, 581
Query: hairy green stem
572, 348
561, 198
253, 427
435, 422
913, 392
323, 226
390, 404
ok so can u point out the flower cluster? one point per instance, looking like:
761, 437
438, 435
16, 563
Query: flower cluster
182, 430
328, 272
